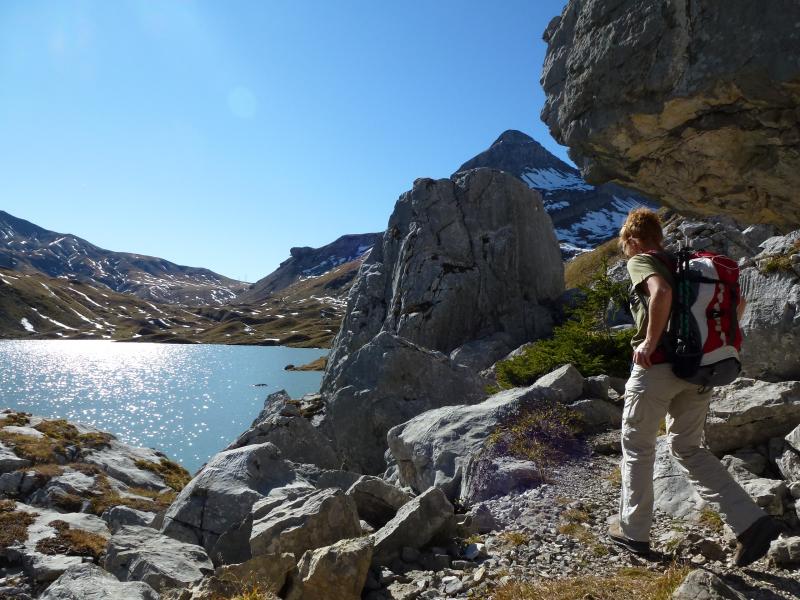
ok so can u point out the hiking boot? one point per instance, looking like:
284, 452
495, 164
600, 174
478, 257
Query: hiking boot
754, 542
619, 538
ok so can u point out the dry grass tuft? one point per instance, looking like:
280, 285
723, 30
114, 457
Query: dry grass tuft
577, 272
633, 583
573, 527
614, 476
711, 519
106, 497
515, 538
20, 419
254, 593
174, 475
72, 542
13, 524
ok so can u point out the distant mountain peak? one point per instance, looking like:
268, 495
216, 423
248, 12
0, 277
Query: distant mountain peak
514, 136
583, 215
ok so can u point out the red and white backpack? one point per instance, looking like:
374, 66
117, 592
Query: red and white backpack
703, 337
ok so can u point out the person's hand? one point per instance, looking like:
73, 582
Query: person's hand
642, 353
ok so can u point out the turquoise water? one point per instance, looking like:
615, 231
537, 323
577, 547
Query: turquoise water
189, 401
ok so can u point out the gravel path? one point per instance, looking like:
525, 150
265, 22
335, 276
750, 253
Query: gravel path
557, 530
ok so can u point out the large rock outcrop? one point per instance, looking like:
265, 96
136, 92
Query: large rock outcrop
387, 382
221, 496
462, 259
437, 447
693, 103
467, 271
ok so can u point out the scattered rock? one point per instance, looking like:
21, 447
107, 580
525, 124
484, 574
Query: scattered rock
119, 516
750, 412
90, 582
337, 571
597, 415
565, 380
785, 552
414, 525
377, 501
222, 494
143, 554
309, 522
702, 585
269, 573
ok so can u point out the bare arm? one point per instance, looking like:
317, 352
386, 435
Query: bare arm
658, 311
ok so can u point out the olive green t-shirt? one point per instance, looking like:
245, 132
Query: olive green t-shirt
640, 267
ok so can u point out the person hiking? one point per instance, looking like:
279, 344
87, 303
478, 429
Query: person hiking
654, 392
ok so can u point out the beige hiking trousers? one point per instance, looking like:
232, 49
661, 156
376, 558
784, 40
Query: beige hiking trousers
650, 395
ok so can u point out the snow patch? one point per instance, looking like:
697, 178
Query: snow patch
27, 325
552, 179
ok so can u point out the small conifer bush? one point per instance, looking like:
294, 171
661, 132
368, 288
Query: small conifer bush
584, 340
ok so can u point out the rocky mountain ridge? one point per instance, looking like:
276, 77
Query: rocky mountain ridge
29, 248
305, 263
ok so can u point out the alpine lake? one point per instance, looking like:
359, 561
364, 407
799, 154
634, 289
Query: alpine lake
188, 400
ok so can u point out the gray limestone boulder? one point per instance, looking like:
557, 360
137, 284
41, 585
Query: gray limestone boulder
480, 354
311, 521
793, 438
785, 552
89, 582
413, 526
336, 571
435, 448
282, 425
221, 496
462, 259
70, 483
597, 415
377, 502
704, 585
119, 516
498, 476
788, 464
267, 573
771, 324
143, 554
749, 412
566, 380
119, 461
648, 94
384, 383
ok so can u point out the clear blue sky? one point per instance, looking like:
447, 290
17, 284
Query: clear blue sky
221, 133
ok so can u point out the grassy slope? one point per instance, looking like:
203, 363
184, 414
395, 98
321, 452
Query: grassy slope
307, 314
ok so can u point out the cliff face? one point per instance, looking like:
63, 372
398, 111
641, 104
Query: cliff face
693, 103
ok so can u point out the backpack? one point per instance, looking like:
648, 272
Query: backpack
703, 337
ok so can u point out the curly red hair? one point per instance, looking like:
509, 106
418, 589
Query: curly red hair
642, 224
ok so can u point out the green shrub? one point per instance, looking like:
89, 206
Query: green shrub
584, 340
